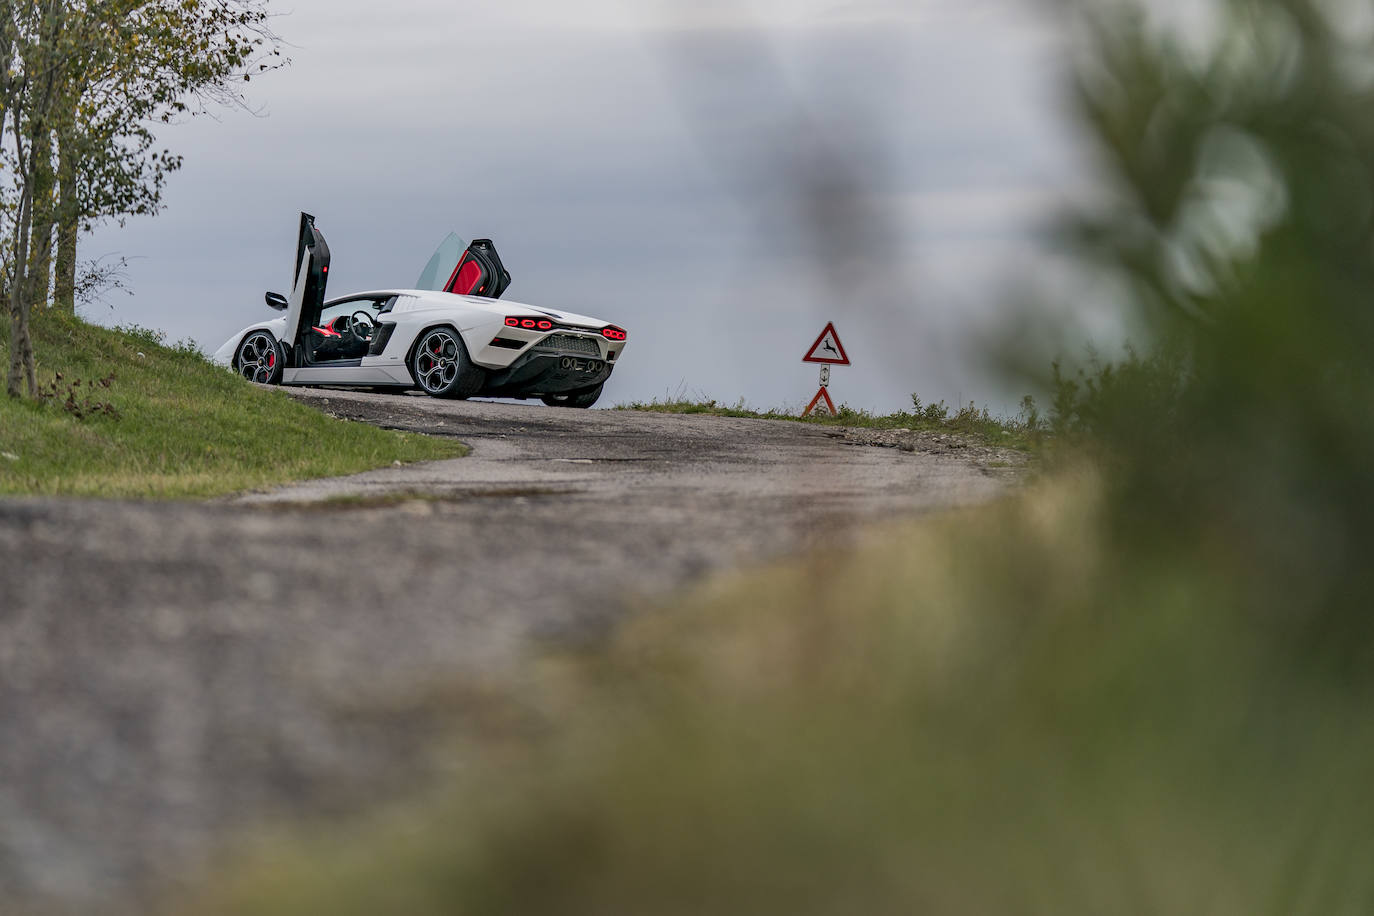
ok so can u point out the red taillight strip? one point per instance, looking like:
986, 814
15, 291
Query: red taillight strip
531, 324
610, 332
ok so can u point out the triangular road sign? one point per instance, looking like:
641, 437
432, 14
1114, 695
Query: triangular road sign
819, 403
827, 349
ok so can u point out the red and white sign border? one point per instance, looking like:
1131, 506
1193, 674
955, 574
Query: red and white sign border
822, 395
811, 356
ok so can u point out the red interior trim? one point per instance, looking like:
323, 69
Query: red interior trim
466, 280
465, 277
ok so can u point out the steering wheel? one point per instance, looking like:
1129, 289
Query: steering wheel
360, 322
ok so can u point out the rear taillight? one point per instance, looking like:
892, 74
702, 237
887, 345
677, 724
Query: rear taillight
530, 324
614, 333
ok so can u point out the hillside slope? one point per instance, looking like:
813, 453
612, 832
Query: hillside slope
127, 417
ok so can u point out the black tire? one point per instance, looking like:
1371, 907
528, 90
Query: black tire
260, 358
578, 399
441, 366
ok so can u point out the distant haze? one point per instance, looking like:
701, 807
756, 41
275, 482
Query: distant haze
718, 178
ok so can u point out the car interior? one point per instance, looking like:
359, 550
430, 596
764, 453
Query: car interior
344, 330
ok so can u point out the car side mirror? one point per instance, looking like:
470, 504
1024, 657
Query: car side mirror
276, 301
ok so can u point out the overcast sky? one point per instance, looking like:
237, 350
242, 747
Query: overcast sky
721, 178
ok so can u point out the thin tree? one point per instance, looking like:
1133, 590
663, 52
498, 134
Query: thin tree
86, 84
137, 76
30, 88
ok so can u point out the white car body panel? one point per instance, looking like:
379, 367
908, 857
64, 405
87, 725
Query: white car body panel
478, 320
224, 356
319, 342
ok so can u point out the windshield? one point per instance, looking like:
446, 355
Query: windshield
440, 267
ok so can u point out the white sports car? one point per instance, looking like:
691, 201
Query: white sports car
450, 337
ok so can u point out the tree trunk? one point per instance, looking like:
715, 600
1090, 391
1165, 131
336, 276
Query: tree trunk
21, 344
68, 222
41, 97
44, 216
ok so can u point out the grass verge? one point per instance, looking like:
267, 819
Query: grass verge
170, 425
1024, 432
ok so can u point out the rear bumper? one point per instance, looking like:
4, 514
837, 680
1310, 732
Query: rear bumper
537, 373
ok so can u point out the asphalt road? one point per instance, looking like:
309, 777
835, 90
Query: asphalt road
174, 674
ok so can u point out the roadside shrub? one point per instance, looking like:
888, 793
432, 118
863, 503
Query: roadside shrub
1240, 229
186, 348
1029, 415
137, 333
935, 412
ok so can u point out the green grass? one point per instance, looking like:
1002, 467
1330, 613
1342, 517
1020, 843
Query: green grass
182, 428
1024, 432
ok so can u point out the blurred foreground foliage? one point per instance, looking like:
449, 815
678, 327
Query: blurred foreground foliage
1239, 228
1140, 687
990, 713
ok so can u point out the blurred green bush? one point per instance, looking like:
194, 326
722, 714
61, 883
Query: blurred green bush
1239, 228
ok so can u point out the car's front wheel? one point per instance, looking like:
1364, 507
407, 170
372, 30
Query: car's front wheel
580, 399
260, 358
441, 365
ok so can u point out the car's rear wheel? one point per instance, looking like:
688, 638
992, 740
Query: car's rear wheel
260, 358
441, 365
580, 399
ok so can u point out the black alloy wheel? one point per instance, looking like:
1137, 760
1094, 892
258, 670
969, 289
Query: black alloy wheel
260, 358
441, 366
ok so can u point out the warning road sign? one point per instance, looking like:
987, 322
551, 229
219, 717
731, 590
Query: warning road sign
821, 402
827, 349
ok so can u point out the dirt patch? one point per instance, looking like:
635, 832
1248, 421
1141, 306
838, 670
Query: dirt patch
922, 442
